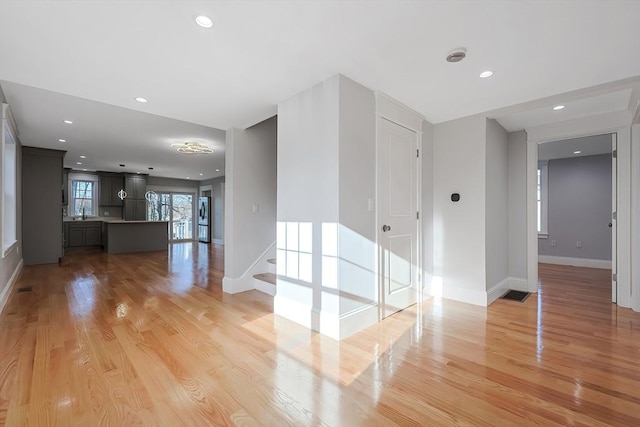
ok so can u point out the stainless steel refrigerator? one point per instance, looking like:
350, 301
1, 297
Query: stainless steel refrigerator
204, 219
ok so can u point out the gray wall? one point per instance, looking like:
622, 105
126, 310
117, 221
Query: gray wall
250, 162
579, 208
9, 264
496, 207
517, 204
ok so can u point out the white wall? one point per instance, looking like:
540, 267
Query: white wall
250, 162
496, 208
427, 206
12, 263
459, 154
517, 201
326, 233
357, 280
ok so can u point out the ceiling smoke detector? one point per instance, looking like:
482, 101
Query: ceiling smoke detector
457, 55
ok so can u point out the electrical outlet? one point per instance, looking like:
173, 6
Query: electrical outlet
554, 243
578, 244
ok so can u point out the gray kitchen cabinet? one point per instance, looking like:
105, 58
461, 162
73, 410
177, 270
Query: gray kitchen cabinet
110, 185
135, 205
42, 181
83, 233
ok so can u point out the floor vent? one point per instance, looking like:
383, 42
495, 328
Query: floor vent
25, 289
516, 296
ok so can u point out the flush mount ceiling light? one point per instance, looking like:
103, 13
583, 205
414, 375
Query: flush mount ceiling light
204, 21
83, 157
577, 152
69, 122
141, 99
192, 148
457, 55
78, 163
217, 170
62, 140
558, 107
485, 74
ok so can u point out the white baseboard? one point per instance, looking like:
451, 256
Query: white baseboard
508, 284
497, 290
6, 293
329, 324
470, 296
577, 262
358, 320
246, 282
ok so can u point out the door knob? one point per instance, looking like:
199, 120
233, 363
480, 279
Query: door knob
610, 225
386, 228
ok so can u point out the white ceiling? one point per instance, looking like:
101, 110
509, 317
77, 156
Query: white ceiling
588, 146
259, 53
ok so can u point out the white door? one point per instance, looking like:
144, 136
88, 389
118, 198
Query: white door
614, 228
397, 216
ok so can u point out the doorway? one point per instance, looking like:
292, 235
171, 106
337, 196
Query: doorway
576, 198
177, 208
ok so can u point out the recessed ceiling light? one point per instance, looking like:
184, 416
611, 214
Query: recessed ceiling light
138, 173
558, 107
62, 140
83, 157
217, 170
204, 21
188, 178
141, 99
485, 74
577, 152
84, 169
201, 174
78, 163
69, 122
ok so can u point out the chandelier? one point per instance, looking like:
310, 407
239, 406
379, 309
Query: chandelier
192, 148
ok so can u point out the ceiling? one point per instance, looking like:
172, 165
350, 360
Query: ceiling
588, 146
259, 53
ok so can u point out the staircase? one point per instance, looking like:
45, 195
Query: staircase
266, 282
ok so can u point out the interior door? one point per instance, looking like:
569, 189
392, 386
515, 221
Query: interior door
614, 217
397, 216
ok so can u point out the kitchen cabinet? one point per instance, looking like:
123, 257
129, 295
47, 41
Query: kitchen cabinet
135, 205
65, 187
82, 233
135, 210
110, 185
42, 181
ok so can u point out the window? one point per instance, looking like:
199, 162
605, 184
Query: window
8, 154
542, 198
84, 195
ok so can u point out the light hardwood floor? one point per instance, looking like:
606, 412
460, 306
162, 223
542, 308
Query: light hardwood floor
150, 339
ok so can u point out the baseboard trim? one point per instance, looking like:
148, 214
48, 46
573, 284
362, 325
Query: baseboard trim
469, 296
326, 323
246, 282
8, 290
358, 320
497, 290
508, 284
576, 262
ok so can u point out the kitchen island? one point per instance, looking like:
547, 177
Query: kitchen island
121, 236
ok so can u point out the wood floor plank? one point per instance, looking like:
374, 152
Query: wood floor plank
150, 339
